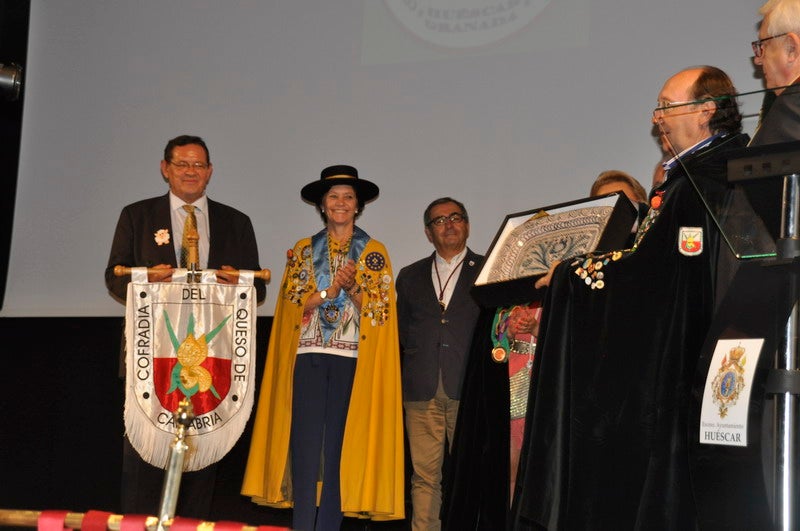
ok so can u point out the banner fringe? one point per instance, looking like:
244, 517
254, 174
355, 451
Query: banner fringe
154, 444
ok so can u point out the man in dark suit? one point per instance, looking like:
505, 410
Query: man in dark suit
149, 234
777, 52
436, 317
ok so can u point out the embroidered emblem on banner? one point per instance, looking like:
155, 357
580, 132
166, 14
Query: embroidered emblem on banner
690, 241
729, 380
194, 341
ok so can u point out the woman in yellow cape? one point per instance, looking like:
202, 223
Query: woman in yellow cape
322, 295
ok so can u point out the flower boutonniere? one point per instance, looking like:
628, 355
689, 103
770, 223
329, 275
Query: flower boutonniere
162, 236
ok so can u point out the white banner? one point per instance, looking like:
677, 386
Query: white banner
726, 398
194, 340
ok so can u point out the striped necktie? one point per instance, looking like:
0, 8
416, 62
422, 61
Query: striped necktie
189, 227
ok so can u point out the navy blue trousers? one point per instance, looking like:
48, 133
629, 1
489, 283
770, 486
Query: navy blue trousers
320, 398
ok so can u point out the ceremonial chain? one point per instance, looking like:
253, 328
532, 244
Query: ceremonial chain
337, 259
331, 310
590, 267
446, 282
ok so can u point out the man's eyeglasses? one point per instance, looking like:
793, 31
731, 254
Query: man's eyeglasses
453, 218
758, 46
665, 107
183, 165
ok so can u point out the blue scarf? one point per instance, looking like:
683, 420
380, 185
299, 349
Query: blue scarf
331, 310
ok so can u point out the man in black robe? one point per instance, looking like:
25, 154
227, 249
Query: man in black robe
606, 442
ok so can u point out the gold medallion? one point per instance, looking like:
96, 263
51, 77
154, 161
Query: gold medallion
331, 313
499, 355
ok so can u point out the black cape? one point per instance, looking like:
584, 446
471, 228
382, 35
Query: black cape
476, 484
606, 434
606, 442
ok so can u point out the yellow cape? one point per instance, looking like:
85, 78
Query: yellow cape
372, 468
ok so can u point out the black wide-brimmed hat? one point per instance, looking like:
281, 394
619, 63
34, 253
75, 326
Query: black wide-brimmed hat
333, 175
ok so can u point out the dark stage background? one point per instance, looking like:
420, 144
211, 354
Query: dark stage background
61, 414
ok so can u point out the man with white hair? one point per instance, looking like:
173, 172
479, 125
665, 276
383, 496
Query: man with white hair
777, 52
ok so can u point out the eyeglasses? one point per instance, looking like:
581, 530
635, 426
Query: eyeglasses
758, 46
665, 107
183, 165
453, 218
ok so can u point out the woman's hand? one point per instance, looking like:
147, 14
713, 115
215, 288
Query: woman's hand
345, 277
545, 280
523, 321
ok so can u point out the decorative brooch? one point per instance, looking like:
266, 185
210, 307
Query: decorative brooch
162, 236
657, 200
590, 269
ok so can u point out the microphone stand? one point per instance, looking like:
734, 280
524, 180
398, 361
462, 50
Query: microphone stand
787, 362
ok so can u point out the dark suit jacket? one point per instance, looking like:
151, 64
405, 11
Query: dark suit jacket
781, 120
431, 340
233, 241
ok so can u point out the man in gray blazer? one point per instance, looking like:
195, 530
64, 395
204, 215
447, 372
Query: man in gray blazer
436, 318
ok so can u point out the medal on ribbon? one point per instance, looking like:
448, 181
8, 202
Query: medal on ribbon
500, 336
331, 312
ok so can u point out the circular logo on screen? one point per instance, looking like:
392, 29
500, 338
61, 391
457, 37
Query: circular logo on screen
464, 23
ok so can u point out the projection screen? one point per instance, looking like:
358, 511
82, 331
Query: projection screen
505, 105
